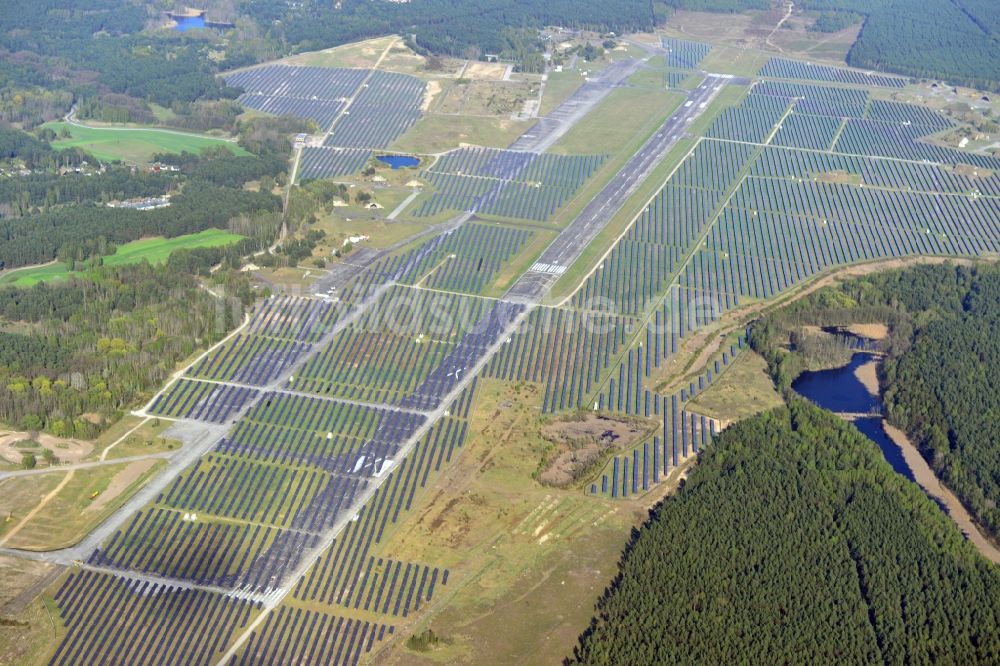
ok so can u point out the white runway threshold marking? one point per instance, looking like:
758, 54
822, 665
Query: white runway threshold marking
553, 269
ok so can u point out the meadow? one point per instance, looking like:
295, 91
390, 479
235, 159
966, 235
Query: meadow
134, 144
154, 250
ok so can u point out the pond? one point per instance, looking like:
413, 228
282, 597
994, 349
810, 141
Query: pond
185, 23
840, 390
399, 161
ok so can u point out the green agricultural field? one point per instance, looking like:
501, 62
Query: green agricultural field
135, 144
153, 250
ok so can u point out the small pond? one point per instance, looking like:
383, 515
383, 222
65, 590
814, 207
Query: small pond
399, 161
839, 390
185, 23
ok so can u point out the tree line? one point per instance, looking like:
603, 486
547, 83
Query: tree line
468, 28
793, 541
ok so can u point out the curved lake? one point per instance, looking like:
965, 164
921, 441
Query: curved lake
399, 161
839, 390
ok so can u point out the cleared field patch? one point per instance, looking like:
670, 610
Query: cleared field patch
148, 438
436, 133
521, 557
154, 250
87, 498
362, 54
134, 144
14, 443
21, 495
743, 391
380, 231
581, 441
29, 630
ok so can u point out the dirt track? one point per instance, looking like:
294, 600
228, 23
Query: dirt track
929, 482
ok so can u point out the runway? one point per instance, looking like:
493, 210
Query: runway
571, 242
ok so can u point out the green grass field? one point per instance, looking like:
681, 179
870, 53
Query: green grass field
134, 144
615, 123
154, 250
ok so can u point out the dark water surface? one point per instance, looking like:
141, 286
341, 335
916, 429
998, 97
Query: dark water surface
840, 391
399, 161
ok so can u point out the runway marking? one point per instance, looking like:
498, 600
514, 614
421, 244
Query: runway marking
552, 269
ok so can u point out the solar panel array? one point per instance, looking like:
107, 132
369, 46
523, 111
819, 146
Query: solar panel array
783, 68
387, 106
311, 93
324, 162
684, 54
506, 183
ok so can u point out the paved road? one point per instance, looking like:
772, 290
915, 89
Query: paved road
570, 243
55, 469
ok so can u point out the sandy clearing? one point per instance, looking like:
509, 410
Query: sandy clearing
870, 331
432, 90
867, 374
66, 450
932, 486
485, 70
120, 482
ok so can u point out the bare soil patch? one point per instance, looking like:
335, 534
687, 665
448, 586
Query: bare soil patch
869, 331
433, 90
969, 171
493, 71
581, 442
839, 178
120, 482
